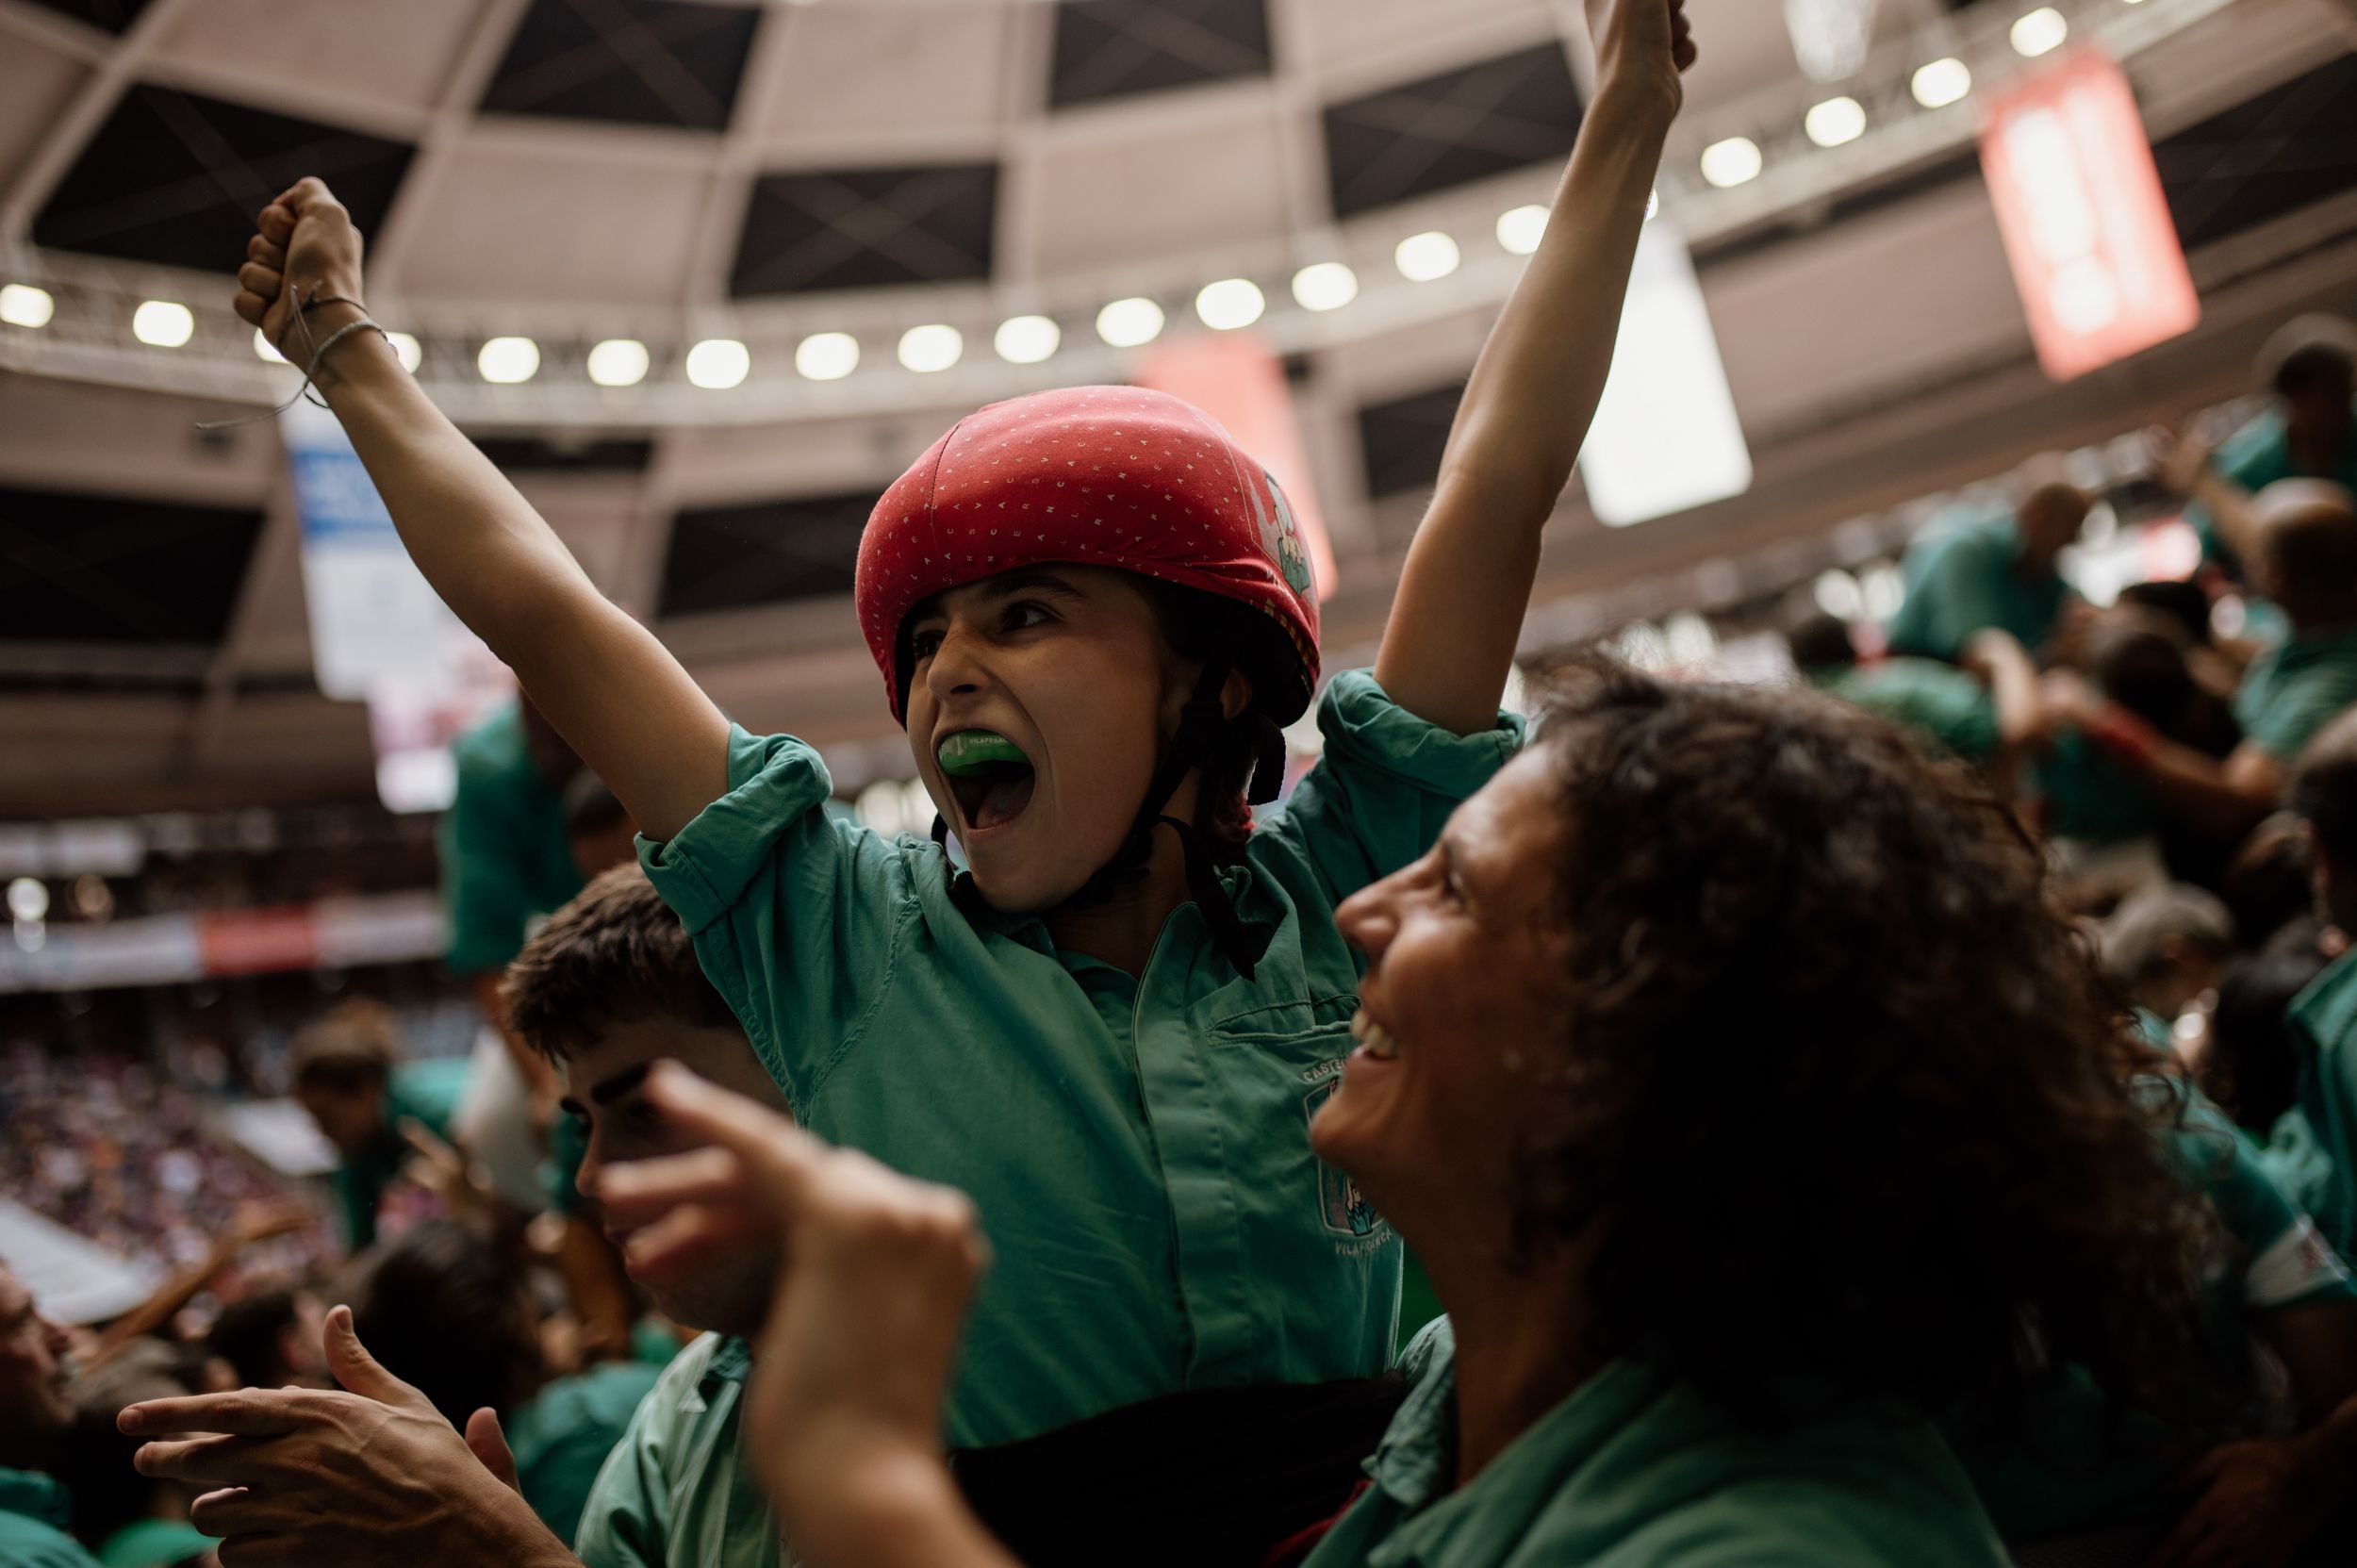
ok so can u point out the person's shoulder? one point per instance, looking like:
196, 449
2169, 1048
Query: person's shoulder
2326, 1010
29, 1543
1868, 1489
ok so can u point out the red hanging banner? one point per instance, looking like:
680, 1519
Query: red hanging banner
2085, 226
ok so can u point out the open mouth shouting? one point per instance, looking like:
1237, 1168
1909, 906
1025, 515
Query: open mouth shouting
989, 775
1374, 1039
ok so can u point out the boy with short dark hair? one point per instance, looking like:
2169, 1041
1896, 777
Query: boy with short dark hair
605, 989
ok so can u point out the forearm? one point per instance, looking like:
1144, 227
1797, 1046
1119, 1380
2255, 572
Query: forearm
612, 691
492, 559
2012, 684
1450, 641
895, 1509
1533, 392
2201, 789
2229, 506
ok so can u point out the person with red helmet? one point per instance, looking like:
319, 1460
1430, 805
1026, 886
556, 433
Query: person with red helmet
1110, 1026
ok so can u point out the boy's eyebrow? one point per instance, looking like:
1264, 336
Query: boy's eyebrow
621, 1084
606, 1091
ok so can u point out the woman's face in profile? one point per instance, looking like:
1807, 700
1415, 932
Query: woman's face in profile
1462, 1009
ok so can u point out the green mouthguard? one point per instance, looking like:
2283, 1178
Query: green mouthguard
971, 750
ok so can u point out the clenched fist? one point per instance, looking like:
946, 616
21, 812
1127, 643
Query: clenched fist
1642, 46
307, 249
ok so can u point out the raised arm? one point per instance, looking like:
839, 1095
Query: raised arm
610, 688
1450, 641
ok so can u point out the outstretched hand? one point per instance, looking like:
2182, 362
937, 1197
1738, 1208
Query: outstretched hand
306, 248
856, 1357
368, 1476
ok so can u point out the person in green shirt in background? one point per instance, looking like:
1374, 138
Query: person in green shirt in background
2324, 1017
349, 1073
2300, 538
1971, 572
1983, 713
35, 1412
2310, 365
1728, 1158
606, 988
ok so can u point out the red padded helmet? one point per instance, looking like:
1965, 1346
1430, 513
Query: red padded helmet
1105, 476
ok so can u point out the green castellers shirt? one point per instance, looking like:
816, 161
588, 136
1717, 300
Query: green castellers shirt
1962, 578
2325, 1015
675, 1492
34, 1510
1637, 1470
1935, 702
2073, 1462
2295, 688
1138, 1146
505, 856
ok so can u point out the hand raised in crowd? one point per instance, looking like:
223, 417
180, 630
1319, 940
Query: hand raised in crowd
306, 246
844, 1412
367, 1476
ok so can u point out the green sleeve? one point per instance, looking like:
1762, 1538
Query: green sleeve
563, 1439
2301, 707
794, 911
486, 892
1380, 796
2283, 1262
1946, 596
29, 1543
626, 1519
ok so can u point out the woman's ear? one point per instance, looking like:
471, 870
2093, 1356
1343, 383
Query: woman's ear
1236, 695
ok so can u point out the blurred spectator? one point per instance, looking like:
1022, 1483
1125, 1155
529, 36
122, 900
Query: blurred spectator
600, 830
126, 1519
2310, 433
442, 1308
113, 1149
1981, 714
2250, 1066
2270, 881
269, 1338
2165, 948
2304, 552
349, 1074
2324, 793
1965, 575
35, 1412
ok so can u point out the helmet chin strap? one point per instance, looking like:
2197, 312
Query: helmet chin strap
1200, 723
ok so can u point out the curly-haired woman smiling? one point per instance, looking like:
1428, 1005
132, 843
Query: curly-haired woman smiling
1746, 1099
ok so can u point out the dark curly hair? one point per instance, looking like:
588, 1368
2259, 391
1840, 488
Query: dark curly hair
1843, 1092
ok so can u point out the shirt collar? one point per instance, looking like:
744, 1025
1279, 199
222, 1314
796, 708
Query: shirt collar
35, 1496
730, 1361
1416, 1463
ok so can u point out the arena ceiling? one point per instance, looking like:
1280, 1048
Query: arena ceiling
667, 171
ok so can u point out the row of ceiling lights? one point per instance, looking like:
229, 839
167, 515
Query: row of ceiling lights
720, 363
1838, 121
